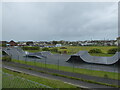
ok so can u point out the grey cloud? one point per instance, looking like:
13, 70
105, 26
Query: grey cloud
59, 21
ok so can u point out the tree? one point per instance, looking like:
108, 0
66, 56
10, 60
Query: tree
46, 49
3, 45
54, 42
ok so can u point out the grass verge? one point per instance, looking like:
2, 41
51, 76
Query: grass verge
104, 74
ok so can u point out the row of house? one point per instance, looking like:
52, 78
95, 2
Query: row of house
11, 43
60, 43
99, 43
29, 43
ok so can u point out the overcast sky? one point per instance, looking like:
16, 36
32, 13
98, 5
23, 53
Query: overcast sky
59, 21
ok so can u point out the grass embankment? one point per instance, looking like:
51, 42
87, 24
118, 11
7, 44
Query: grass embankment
75, 49
111, 75
45, 81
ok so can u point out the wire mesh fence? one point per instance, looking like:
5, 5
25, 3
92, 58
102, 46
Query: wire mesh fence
11, 81
58, 62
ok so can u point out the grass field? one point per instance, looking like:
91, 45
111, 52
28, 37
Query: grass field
101, 54
111, 75
87, 48
75, 49
13, 82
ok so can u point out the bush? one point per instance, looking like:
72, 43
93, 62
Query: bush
46, 49
6, 58
95, 50
3, 45
30, 48
63, 51
113, 50
105, 76
63, 48
54, 49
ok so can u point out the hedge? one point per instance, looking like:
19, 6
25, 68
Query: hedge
45, 49
95, 50
113, 50
54, 49
30, 48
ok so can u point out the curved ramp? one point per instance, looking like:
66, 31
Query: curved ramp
20, 50
37, 55
86, 57
46, 53
6, 51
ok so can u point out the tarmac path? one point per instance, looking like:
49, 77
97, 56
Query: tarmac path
16, 66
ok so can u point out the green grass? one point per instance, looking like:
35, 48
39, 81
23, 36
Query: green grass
33, 50
45, 81
101, 54
111, 75
75, 49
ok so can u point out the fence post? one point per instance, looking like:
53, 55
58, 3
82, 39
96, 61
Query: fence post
58, 61
73, 65
114, 69
34, 62
45, 62
26, 59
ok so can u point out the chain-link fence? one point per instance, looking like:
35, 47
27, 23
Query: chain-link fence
58, 62
11, 81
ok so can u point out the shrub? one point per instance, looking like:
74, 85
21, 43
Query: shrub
105, 76
54, 49
45, 49
6, 58
30, 48
113, 50
3, 45
63, 48
95, 50
63, 51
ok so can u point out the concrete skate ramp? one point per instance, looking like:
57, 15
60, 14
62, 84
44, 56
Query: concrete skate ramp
6, 51
86, 57
37, 55
20, 50
46, 53
42, 54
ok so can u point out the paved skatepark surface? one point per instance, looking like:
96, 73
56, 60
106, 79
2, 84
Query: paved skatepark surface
59, 59
86, 57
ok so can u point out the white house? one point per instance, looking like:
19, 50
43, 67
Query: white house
58, 45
